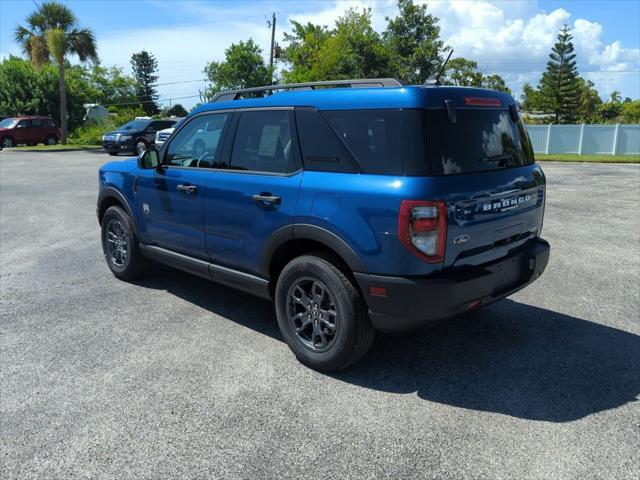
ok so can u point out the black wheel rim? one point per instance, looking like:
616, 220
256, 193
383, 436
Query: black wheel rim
312, 314
51, 141
7, 143
117, 244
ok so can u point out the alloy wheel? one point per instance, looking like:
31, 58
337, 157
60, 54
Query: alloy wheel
117, 244
312, 314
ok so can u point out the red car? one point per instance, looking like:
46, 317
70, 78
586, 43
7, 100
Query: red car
28, 131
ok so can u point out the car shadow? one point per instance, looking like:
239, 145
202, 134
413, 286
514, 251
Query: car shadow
510, 358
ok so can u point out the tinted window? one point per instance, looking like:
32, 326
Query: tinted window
51, 123
24, 124
135, 125
36, 122
198, 143
321, 148
8, 122
479, 140
264, 142
372, 136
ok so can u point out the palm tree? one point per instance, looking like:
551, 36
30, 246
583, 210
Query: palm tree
52, 33
616, 97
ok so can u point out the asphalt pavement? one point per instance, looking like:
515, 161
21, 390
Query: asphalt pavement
176, 377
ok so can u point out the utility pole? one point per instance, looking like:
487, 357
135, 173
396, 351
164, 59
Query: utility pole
272, 25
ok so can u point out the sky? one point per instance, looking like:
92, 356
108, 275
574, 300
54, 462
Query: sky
512, 38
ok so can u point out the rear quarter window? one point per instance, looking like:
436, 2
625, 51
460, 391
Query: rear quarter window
372, 136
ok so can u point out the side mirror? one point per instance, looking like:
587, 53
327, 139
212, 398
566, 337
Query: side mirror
148, 159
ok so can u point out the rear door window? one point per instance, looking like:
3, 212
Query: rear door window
372, 136
479, 140
264, 142
36, 123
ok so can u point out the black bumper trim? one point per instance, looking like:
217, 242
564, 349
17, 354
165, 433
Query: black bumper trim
415, 302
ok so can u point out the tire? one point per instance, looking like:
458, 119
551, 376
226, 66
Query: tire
139, 146
317, 345
120, 245
8, 142
113, 154
51, 140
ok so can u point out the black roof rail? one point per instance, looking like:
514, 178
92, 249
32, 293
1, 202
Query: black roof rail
359, 83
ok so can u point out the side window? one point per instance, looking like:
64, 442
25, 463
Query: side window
51, 123
264, 142
198, 143
24, 124
321, 148
36, 123
153, 127
373, 136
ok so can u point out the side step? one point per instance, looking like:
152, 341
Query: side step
217, 273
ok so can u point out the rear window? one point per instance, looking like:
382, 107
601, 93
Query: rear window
479, 140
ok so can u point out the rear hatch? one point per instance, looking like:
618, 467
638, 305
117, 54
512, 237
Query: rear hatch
483, 164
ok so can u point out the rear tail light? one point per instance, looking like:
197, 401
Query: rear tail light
422, 228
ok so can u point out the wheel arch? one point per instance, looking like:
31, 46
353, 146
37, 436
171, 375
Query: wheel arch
110, 197
290, 242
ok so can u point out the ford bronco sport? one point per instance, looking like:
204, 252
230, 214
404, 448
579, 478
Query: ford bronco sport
373, 206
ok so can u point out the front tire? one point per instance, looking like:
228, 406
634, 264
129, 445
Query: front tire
321, 314
7, 142
120, 245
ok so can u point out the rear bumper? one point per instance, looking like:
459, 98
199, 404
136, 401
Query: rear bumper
415, 302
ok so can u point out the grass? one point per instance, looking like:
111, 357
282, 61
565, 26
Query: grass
53, 148
565, 157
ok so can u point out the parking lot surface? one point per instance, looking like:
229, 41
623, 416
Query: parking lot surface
176, 377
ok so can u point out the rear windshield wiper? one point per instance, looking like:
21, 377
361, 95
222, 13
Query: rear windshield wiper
500, 159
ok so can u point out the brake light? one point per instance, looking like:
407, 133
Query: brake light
422, 228
482, 102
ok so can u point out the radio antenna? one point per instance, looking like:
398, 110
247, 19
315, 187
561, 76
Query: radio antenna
444, 65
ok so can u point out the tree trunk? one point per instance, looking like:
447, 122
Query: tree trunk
63, 101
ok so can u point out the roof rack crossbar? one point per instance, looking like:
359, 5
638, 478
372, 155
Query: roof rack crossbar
359, 83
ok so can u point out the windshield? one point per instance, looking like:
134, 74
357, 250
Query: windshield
8, 122
479, 140
135, 125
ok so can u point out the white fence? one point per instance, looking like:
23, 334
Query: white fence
586, 139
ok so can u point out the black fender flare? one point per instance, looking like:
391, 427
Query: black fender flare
110, 192
309, 232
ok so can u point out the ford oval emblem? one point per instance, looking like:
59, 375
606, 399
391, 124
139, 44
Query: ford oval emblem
459, 240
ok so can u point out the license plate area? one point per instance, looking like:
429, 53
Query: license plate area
506, 274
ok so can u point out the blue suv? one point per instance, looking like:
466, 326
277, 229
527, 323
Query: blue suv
356, 206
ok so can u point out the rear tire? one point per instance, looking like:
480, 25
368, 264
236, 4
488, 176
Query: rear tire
321, 314
120, 245
51, 140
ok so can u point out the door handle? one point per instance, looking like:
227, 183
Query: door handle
187, 188
267, 198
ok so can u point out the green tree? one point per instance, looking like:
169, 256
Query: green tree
463, 73
631, 111
303, 46
495, 82
616, 97
52, 33
530, 98
352, 49
176, 111
145, 66
243, 67
559, 86
110, 85
589, 102
413, 38
609, 112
